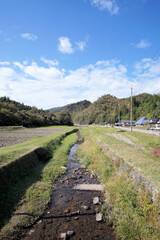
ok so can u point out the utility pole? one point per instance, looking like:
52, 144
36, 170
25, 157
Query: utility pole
119, 113
131, 110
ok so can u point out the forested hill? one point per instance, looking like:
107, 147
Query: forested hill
106, 109
13, 113
72, 108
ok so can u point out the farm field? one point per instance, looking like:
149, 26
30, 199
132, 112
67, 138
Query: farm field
11, 137
20, 142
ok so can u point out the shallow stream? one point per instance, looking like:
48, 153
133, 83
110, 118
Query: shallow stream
71, 213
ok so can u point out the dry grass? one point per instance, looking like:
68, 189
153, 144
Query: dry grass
134, 148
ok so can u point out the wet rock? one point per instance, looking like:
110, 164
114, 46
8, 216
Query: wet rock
92, 175
75, 213
96, 200
85, 207
40, 221
63, 235
31, 231
99, 217
70, 234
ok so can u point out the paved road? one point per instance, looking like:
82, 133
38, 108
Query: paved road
141, 130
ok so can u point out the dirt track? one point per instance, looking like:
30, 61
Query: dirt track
11, 137
72, 210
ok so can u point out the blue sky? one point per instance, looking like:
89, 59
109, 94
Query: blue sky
55, 52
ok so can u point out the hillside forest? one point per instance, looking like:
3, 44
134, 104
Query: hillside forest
13, 113
107, 109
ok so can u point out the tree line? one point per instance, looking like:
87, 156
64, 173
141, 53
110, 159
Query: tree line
13, 113
108, 109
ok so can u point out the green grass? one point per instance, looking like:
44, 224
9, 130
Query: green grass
37, 195
131, 212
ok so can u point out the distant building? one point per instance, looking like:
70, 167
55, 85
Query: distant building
127, 123
153, 120
143, 120
158, 125
155, 125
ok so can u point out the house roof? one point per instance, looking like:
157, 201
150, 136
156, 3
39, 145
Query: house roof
142, 121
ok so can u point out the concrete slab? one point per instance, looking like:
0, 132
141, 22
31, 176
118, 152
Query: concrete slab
89, 187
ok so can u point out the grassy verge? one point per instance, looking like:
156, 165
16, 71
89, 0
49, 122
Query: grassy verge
35, 187
131, 212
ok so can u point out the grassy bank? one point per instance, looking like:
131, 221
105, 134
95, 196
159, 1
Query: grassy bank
131, 212
29, 196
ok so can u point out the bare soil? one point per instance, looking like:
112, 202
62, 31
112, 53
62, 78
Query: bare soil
11, 137
71, 209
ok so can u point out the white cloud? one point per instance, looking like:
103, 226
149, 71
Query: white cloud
46, 87
29, 36
17, 64
142, 44
109, 5
4, 63
49, 62
81, 45
65, 45
40, 73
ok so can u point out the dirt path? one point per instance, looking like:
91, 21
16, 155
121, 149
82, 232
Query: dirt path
71, 211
